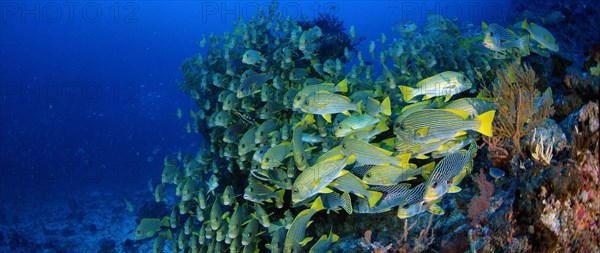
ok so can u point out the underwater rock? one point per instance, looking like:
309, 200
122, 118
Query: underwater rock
588, 111
548, 132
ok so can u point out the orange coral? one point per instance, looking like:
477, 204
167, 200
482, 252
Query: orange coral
516, 98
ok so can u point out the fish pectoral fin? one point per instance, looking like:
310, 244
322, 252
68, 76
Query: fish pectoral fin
347, 113
454, 189
423, 132
325, 190
435, 209
422, 156
315, 183
306, 241
461, 133
327, 117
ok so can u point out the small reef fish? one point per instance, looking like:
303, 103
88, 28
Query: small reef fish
252, 57
430, 125
148, 227
443, 177
541, 35
445, 84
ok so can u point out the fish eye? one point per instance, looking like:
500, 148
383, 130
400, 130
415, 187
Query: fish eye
267, 159
430, 57
368, 175
434, 185
296, 190
405, 206
344, 146
243, 145
305, 102
404, 26
491, 34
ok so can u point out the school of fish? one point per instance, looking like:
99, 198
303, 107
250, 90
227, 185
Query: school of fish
290, 135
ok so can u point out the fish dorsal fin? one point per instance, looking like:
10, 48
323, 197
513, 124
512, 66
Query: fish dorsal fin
454, 189
462, 114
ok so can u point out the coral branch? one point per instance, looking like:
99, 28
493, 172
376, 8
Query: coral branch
521, 107
540, 153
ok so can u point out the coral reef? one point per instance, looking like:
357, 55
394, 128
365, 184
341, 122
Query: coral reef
331, 45
544, 141
521, 107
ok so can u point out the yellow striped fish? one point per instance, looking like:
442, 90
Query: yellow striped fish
367, 153
325, 103
431, 125
316, 178
444, 84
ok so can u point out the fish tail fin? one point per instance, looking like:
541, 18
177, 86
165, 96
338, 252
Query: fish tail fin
407, 92
485, 121
317, 205
334, 237
347, 202
167, 235
165, 221
374, 198
359, 107
386, 107
309, 118
280, 194
427, 169
342, 86
525, 25
381, 126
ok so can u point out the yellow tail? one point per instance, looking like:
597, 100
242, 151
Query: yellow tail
407, 92
524, 25
374, 198
317, 205
386, 107
342, 86
485, 121
381, 126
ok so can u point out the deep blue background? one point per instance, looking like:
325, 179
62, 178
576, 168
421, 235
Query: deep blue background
87, 89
